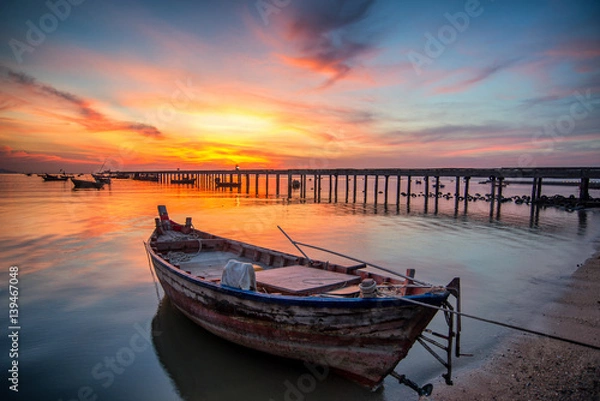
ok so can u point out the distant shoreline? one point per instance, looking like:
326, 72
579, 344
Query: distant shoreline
527, 368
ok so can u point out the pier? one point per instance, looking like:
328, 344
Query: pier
376, 185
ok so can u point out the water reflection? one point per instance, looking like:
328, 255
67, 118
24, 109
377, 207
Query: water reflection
205, 367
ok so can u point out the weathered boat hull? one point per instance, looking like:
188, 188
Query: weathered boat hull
362, 339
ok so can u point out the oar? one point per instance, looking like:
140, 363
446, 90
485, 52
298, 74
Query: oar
296, 243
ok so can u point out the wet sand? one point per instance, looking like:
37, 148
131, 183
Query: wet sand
531, 368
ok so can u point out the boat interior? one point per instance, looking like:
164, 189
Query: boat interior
206, 256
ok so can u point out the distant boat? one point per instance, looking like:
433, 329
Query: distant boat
184, 181
102, 178
54, 177
80, 184
146, 177
356, 322
220, 184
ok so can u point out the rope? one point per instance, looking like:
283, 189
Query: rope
152, 272
502, 324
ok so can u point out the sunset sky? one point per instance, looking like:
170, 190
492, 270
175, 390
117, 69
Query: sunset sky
298, 84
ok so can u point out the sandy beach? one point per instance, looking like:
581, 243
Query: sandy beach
528, 367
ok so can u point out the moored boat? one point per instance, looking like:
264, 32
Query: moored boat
95, 184
356, 322
225, 184
183, 181
152, 177
54, 177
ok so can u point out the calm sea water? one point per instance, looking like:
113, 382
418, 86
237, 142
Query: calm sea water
94, 325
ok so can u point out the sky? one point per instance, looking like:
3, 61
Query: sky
130, 85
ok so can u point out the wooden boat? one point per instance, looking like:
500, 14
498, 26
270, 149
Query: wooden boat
54, 177
221, 184
152, 177
184, 181
77, 183
358, 323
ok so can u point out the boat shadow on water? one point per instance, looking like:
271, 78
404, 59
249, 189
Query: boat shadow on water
205, 367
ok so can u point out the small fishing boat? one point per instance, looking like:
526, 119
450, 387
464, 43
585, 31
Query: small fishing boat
152, 177
221, 184
54, 177
357, 322
80, 184
183, 181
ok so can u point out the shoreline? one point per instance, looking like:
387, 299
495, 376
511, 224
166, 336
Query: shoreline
528, 367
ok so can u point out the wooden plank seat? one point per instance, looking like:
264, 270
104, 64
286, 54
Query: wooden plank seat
302, 280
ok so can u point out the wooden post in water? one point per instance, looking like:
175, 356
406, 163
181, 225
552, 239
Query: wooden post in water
365, 191
467, 179
289, 186
456, 193
539, 188
398, 182
354, 188
318, 183
437, 192
376, 188
426, 193
534, 190
493, 200
277, 184
304, 186
584, 189
386, 187
347, 186
256, 183
336, 188
267, 185
408, 193
500, 184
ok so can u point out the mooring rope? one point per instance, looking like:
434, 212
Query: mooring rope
502, 324
152, 272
